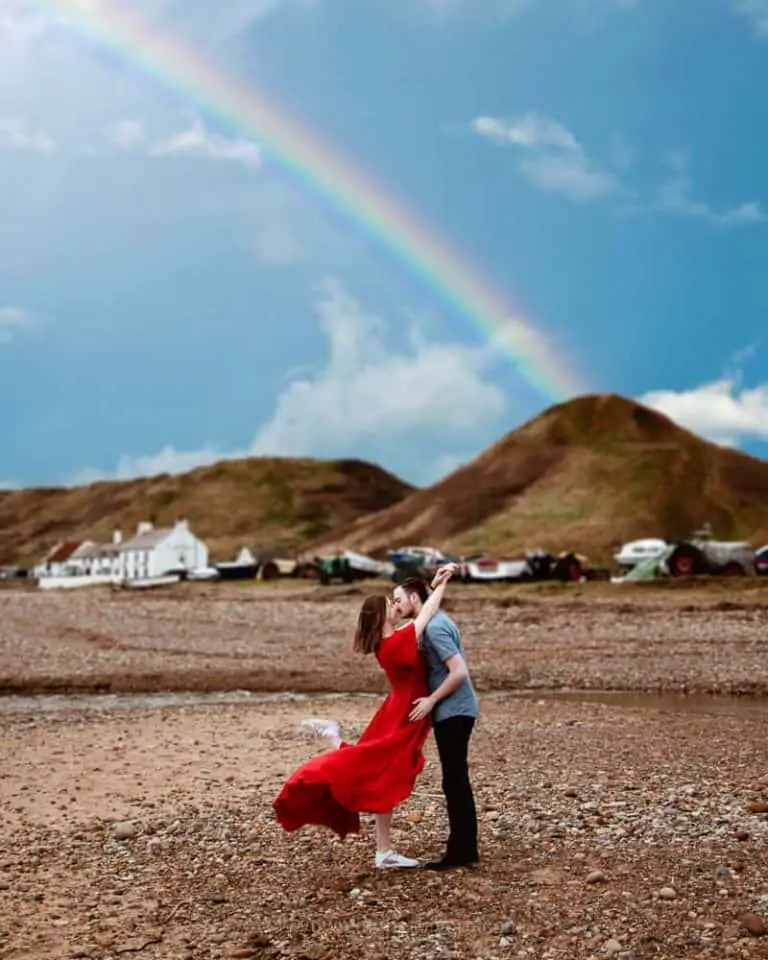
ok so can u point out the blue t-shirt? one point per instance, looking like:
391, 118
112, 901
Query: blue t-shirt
440, 642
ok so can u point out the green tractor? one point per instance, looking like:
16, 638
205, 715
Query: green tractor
334, 568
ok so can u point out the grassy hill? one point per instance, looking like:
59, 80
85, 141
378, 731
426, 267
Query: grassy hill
588, 474
284, 502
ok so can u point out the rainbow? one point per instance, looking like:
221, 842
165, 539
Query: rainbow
325, 173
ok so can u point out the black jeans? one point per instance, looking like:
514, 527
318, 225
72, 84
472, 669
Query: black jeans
452, 738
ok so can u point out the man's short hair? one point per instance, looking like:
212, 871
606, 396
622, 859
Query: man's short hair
417, 585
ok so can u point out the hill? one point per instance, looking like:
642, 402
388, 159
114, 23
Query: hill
587, 474
229, 504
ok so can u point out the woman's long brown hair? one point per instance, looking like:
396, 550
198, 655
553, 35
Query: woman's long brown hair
370, 624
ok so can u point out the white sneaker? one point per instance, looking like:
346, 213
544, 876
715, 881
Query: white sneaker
327, 729
390, 858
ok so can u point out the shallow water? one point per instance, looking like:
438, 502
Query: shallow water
696, 703
105, 702
718, 704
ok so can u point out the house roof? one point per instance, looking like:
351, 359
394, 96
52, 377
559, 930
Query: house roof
94, 550
63, 551
144, 541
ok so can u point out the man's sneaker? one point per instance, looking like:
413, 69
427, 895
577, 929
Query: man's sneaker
327, 729
391, 859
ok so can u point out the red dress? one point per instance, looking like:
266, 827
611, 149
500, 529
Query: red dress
378, 772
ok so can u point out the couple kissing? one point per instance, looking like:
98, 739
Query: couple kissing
430, 689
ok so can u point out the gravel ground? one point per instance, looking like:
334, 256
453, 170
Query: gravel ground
257, 638
606, 830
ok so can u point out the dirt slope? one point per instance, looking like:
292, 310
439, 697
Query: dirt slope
587, 474
230, 504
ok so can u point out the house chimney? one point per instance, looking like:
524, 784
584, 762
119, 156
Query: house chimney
182, 525
117, 537
146, 526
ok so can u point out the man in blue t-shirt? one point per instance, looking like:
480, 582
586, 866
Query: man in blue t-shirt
454, 708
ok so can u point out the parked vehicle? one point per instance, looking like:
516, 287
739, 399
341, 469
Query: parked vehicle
715, 557
349, 566
414, 555
425, 567
761, 561
637, 551
536, 565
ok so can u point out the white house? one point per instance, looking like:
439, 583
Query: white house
156, 551
151, 553
63, 560
100, 559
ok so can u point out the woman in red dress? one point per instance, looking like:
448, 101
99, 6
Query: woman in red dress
378, 772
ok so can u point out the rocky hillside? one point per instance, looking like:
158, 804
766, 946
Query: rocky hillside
588, 474
283, 502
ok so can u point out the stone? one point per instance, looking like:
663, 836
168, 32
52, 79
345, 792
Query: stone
595, 876
547, 876
124, 830
753, 924
667, 893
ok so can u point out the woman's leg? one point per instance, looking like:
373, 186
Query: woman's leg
386, 856
383, 832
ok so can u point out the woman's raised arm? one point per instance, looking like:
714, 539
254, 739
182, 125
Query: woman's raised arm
430, 608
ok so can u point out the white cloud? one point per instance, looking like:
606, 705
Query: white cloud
530, 130
572, 175
756, 12
11, 319
551, 157
168, 460
723, 411
15, 135
126, 134
675, 196
195, 140
198, 141
367, 390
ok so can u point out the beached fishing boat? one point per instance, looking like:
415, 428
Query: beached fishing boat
244, 567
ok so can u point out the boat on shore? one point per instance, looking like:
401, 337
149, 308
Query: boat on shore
243, 567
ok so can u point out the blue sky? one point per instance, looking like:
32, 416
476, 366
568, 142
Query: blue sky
170, 296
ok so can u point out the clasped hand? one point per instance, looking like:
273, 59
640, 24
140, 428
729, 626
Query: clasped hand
444, 573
